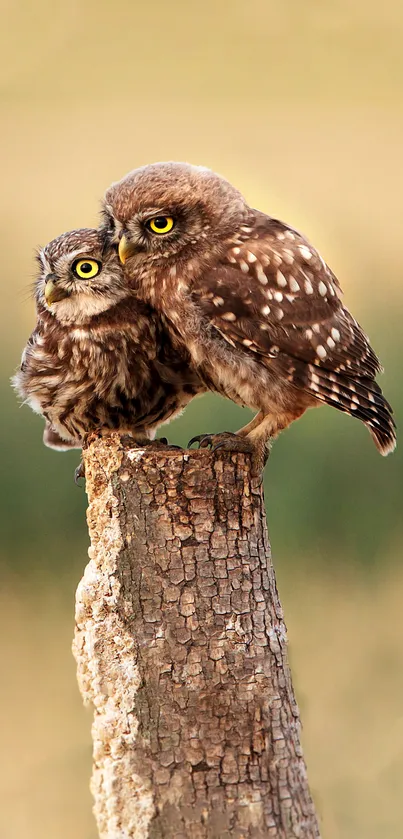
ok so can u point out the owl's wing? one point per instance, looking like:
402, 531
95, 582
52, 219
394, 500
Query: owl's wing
272, 295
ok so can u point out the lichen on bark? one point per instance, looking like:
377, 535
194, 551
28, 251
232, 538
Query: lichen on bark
181, 649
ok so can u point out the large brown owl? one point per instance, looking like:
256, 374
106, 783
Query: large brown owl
252, 301
97, 358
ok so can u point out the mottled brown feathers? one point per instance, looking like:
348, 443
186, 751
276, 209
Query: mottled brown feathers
251, 300
114, 368
160, 186
228, 300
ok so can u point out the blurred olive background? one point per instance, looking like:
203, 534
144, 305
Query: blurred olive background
300, 105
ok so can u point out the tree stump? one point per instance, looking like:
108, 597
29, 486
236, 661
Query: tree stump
181, 649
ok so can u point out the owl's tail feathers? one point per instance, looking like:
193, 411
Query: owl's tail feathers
384, 439
361, 398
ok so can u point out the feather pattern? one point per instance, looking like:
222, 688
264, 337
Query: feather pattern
274, 296
112, 369
249, 297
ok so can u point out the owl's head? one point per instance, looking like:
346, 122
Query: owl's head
159, 211
79, 277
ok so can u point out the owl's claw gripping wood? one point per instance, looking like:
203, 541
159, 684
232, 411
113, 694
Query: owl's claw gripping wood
229, 442
165, 442
79, 473
214, 441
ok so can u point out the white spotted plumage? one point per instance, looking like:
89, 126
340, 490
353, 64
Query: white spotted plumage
281, 340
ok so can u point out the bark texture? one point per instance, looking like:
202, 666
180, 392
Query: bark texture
181, 649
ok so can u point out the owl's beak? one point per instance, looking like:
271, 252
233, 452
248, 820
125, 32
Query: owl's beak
126, 249
54, 293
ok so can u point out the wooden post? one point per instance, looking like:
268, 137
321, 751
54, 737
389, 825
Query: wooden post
181, 649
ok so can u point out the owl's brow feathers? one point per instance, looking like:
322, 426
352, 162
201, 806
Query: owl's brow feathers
166, 186
83, 240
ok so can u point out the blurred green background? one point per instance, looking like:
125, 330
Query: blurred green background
299, 104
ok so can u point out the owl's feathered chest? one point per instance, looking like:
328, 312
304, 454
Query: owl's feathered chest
219, 365
57, 366
90, 377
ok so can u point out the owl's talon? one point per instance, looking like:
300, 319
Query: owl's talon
165, 442
197, 439
227, 441
79, 473
204, 440
213, 441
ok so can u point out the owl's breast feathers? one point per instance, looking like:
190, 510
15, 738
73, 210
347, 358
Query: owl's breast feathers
115, 372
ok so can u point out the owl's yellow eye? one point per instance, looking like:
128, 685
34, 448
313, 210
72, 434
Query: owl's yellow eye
86, 269
160, 224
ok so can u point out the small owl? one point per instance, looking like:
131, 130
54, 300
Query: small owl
255, 305
98, 358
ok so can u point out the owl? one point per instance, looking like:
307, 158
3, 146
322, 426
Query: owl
98, 358
254, 304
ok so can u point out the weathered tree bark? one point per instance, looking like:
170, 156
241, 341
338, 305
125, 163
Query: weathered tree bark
181, 649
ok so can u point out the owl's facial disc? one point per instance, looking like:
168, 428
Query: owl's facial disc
72, 278
158, 225
79, 278
83, 269
162, 211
